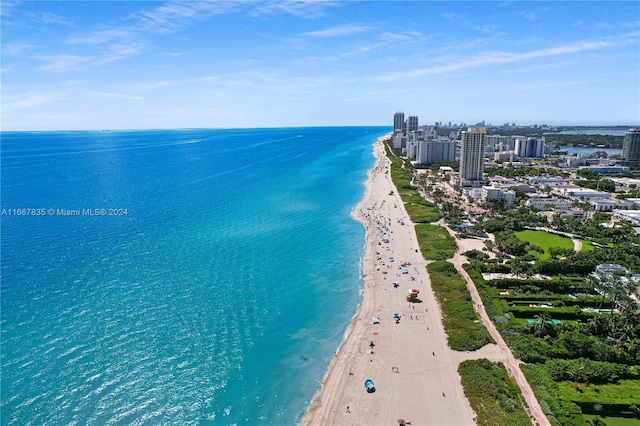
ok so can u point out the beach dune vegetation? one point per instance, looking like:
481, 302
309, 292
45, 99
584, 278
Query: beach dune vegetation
494, 396
435, 242
464, 330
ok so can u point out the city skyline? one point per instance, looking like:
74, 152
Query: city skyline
136, 65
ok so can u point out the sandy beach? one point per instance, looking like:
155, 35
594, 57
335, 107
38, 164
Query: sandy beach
413, 369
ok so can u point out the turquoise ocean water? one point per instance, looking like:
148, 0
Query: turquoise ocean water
186, 276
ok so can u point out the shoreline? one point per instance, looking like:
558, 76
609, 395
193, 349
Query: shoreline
410, 363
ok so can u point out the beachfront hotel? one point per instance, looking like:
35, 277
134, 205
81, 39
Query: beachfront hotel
472, 156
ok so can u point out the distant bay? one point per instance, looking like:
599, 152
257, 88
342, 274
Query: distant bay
176, 277
588, 151
603, 131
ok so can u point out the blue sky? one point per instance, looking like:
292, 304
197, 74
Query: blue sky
144, 64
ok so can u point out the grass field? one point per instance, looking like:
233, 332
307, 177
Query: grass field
586, 246
624, 392
494, 396
464, 330
544, 240
615, 421
435, 242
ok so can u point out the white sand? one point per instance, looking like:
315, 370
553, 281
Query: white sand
414, 371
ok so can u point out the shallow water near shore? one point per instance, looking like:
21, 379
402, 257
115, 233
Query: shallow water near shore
213, 284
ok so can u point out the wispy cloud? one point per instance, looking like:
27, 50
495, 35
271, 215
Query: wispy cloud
176, 54
489, 58
172, 15
62, 62
18, 48
305, 9
101, 36
52, 18
107, 95
340, 30
7, 7
30, 101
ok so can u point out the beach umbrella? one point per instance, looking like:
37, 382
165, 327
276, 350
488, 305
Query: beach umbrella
396, 315
401, 421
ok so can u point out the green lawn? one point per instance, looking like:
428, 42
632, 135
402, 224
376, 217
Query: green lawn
435, 242
615, 421
624, 392
586, 246
544, 240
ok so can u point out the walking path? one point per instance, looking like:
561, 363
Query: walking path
512, 364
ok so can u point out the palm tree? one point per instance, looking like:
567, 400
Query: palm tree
542, 324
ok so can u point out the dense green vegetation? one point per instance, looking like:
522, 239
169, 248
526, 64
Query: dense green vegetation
464, 331
419, 209
435, 242
513, 172
580, 360
606, 141
494, 396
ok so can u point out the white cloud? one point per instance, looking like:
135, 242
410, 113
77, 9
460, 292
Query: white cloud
100, 37
117, 96
62, 62
340, 30
28, 102
488, 58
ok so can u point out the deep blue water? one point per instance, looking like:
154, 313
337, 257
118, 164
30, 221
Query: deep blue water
216, 294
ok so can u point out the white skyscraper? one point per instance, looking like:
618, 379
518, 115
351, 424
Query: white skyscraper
434, 151
529, 147
472, 155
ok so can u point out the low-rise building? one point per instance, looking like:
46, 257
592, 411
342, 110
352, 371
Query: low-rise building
632, 216
578, 192
606, 170
609, 269
546, 180
608, 205
570, 213
496, 193
545, 203
627, 183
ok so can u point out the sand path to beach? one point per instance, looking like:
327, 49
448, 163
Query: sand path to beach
413, 369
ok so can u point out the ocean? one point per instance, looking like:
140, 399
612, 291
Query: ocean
176, 276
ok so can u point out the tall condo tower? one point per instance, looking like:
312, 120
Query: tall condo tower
412, 123
472, 155
398, 122
529, 147
631, 147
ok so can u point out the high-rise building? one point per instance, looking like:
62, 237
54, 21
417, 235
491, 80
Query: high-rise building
412, 123
472, 154
498, 142
434, 151
398, 122
631, 147
529, 147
